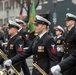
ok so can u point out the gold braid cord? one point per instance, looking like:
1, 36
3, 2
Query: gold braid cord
40, 69
4, 56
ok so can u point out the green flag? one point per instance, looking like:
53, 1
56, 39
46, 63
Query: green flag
32, 17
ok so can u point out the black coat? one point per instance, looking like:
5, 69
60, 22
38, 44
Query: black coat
44, 54
59, 40
14, 47
2, 36
70, 42
69, 48
69, 63
25, 36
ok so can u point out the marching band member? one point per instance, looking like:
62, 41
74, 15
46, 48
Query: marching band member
43, 48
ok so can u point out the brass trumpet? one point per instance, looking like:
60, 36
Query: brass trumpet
2, 72
4, 56
40, 69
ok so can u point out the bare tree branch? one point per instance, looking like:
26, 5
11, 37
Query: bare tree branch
37, 3
21, 5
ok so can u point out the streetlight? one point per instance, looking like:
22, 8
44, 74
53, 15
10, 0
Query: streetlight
54, 14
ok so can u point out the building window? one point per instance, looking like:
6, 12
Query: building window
6, 5
1, 6
5, 21
40, 2
1, 21
60, 0
45, 1
12, 3
17, 3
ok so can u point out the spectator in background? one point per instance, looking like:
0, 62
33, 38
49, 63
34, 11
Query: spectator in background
43, 48
5, 29
2, 35
69, 47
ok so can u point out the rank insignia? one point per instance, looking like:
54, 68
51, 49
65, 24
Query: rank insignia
26, 37
53, 49
20, 48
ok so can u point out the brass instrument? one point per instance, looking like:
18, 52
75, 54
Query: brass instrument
40, 69
4, 56
3, 72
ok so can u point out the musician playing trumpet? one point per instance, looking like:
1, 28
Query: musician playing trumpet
43, 48
14, 46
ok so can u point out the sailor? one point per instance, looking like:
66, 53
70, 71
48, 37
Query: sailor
14, 46
69, 47
43, 48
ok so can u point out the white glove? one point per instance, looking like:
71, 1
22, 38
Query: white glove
58, 49
56, 70
7, 62
11, 71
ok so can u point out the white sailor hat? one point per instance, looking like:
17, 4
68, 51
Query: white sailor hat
41, 20
60, 28
20, 22
70, 16
13, 24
